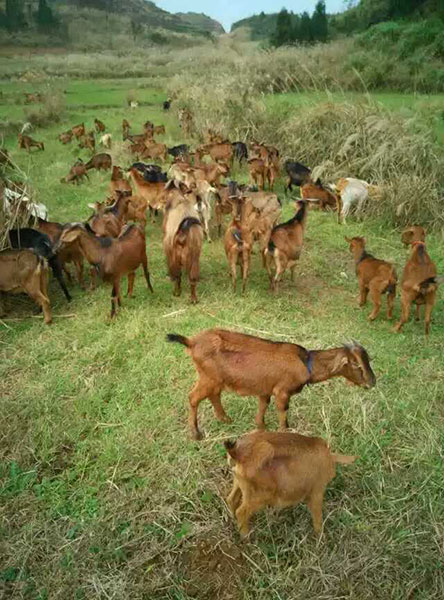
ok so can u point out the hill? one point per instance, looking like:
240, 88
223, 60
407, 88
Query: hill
202, 22
261, 26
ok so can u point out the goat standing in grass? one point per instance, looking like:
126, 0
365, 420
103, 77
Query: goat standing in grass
182, 239
285, 246
112, 257
375, 276
251, 366
280, 469
238, 240
419, 284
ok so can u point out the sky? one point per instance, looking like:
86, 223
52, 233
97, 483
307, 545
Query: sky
229, 11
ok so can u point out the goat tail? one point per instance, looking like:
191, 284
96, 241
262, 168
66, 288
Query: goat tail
179, 339
270, 248
393, 280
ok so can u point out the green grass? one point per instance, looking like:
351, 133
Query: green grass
102, 493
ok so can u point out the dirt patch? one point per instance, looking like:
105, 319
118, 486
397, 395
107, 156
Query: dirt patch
213, 568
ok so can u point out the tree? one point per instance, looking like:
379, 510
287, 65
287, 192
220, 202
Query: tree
283, 33
44, 16
136, 28
319, 22
14, 16
305, 34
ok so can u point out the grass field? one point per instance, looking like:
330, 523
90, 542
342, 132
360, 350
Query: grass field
102, 493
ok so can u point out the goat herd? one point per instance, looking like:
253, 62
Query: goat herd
278, 469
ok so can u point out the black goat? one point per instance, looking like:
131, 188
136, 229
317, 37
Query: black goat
297, 174
151, 173
41, 246
240, 151
180, 151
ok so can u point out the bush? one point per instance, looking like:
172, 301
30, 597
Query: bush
51, 111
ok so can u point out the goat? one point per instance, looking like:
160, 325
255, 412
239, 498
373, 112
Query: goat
182, 240
186, 121
204, 192
272, 173
159, 130
100, 126
222, 151
180, 151
133, 104
24, 271
268, 154
414, 233
26, 143
314, 191
166, 104
41, 245
285, 246
280, 469
136, 209
375, 276
109, 221
106, 141
125, 129
155, 194
112, 257
88, 141
350, 191
248, 365
297, 174
76, 173
70, 253
65, 137
118, 181
100, 161
154, 150
419, 284
258, 169
211, 173
240, 152
238, 243
78, 130
151, 173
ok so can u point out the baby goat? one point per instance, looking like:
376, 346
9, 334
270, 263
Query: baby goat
375, 276
419, 284
280, 469
248, 365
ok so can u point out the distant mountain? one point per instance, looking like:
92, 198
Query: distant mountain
261, 26
202, 21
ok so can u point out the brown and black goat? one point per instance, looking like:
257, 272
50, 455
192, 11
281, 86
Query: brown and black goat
112, 257
26, 143
118, 181
285, 246
419, 284
182, 239
280, 469
251, 366
314, 191
108, 221
375, 276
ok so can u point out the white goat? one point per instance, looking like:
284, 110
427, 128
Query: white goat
106, 140
205, 193
352, 192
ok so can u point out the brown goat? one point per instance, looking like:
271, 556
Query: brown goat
76, 173
155, 151
419, 284
159, 130
100, 126
238, 243
65, 137
136, 209
102, 161
375, 276
273, 171
182, 240
285, 246
414, 233
78, 130
31, 98
88, 141
125, 129
70, 253
118, 181
23, 271
222, 151
26, 143
113, 257
251, 366
155, 194
212, 172
316, 192
260, 213
258, 170
108, 221
280, 469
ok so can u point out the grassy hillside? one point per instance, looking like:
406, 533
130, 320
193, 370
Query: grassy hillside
202, 22
104, 496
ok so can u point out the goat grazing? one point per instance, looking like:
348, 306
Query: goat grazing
41, 245
419, 284
78, 130
182, 240
316, 192
125, 129
414, 233
297, 174
76, 173
26, 143
248, 365
280, 469
106, 141
375, 276
112, 257
285, 246
24, 271
100, 161
99, 125
65, 137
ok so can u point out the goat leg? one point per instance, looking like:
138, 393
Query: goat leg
282, 403
235, 497
219, 411
131, 277
56, 267
315, 506
147, 275
264, 401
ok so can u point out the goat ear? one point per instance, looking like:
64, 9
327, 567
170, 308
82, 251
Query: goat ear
263, 452
340, 361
